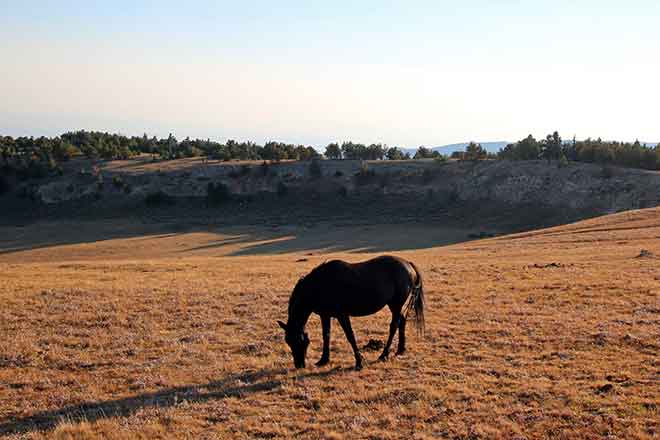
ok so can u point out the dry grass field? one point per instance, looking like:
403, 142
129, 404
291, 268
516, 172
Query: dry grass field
549, 334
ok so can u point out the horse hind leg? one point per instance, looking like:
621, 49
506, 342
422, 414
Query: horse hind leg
396, 317
325, 357
402, 336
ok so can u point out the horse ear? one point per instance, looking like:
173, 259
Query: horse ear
283, 325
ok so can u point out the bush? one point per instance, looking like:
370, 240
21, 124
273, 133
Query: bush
118, 182
35, 169
158, 198
128, 188
315, 171
217, 192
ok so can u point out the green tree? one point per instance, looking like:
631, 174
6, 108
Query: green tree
394, 153
475, 152
423, 153
552, 147
332, 151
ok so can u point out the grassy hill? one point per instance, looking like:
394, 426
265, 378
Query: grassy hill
132, 332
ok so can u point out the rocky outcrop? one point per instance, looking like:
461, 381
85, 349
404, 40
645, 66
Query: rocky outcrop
576, 186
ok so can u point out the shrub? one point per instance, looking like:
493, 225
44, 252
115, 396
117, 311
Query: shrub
217, 192
158, 198
118, 182
315, 171
35, 169
128, 188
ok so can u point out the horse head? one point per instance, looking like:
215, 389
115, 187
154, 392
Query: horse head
298, 341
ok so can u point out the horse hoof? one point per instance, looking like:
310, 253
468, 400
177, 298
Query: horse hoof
322, 362
400, 352
383, 358
358, 367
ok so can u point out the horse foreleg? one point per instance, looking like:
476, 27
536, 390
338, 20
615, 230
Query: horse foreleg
396, 316
325, 357
345, 323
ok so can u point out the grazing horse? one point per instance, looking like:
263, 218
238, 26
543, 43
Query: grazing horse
337, 289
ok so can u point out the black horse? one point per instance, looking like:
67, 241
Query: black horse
338, 289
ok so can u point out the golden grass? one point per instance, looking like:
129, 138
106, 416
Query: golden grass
549, 334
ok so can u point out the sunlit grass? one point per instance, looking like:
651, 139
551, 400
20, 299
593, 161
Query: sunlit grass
551, 334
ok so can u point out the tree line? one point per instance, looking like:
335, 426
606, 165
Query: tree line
627, 154
30, 157
108, 146
38, 157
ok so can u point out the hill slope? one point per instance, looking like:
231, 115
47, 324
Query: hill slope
553, 332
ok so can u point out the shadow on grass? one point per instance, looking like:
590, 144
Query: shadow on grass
234, 385
253, 240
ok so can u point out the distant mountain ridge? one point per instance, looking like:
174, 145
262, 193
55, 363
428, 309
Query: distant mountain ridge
491, 147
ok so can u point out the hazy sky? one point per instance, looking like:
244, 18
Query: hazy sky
403, 73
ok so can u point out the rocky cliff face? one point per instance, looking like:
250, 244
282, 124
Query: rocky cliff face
576, 186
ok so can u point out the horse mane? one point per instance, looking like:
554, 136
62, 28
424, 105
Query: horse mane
298, 290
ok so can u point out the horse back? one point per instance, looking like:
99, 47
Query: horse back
359, 289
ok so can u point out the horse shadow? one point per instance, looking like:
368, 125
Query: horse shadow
233, 385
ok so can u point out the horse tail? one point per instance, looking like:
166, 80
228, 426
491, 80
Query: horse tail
417, 301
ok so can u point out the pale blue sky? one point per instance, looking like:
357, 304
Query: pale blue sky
402, 73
